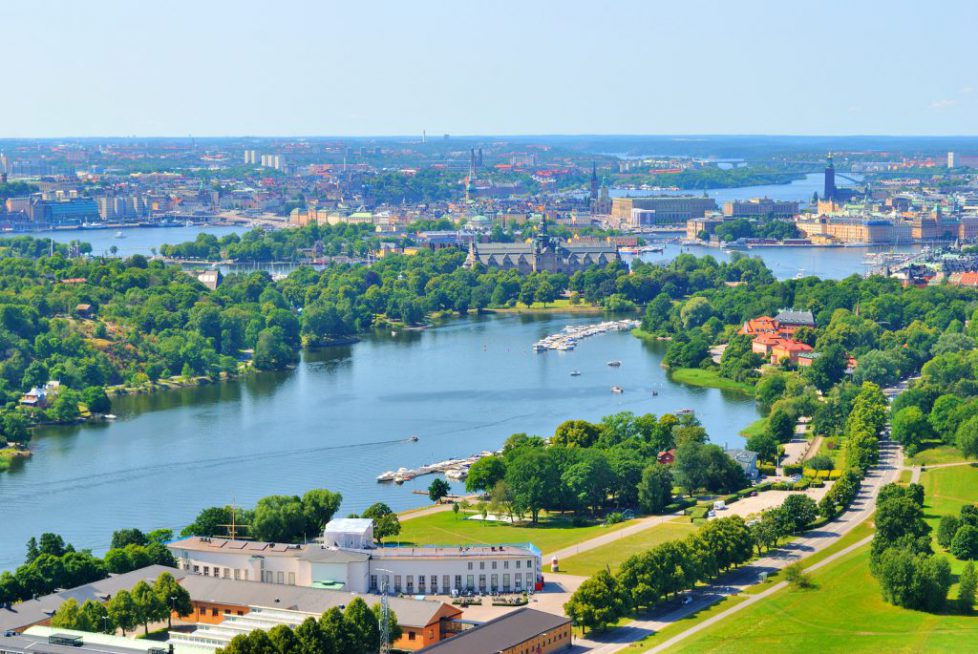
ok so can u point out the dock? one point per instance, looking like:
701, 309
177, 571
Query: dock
568, 338
454, 469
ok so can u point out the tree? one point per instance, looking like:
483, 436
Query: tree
910, 426
598, 602
964, 545
280, 518
10, 589
532, 476
797, 578
385, 520
174, 597
967, 438
780, 426
695, 312
97, 617
123, 611
655, 488
209, 522
362, 625
765, 445
13, 427
123, 537
576, 433
393, 628
272, 351
801, 511
590, 480
913, 581
438, 489
319, 506
946, 529
485, 473
284, 640
69, 616
96, 399
967, 585
149, 606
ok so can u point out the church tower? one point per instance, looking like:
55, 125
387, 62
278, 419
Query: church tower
830, 191
594, 188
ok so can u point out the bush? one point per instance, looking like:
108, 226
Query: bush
801, 484
698, 512
835, 474
793, 469
614, 518
767, 470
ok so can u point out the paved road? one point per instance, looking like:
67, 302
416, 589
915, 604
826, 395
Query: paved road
891, 461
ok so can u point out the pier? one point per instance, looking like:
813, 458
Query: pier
568, 338
454, 469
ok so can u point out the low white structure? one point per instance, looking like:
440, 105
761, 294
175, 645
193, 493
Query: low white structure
347, 560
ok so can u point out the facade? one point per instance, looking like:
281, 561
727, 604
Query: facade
544, 253
791, 319
747, 461
524, 631
760, 207
848, 230
665, 209
410, 570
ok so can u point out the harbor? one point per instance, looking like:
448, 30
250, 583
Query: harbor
453, 469
568, 338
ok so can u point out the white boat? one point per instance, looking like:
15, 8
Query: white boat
575, 373
386, 476
614, 364
457, 474
110, 416
617, 389
119, 234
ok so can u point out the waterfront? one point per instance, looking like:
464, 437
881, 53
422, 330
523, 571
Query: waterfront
462, 387
136, 240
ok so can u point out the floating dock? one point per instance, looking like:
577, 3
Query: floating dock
568, 338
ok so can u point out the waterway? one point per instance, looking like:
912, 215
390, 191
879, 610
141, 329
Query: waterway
136, 240
336, 421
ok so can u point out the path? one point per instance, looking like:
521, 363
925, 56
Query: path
891, 461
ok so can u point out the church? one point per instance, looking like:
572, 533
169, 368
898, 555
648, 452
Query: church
543, 253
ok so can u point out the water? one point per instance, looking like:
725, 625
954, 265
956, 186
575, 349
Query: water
799, 190
789, 262
137, 240
462, 387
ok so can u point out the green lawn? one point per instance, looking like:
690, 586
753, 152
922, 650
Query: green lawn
444, 528
562, 305
612, 554
937, 453
845, 613
946, 490
755, 428
708, 378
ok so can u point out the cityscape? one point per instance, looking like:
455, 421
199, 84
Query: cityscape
488, 328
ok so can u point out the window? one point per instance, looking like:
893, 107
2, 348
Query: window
470, 565
493, 565
518, 564
519, 581
196, 569
482, 582
213, 612
247, 574
280, 577
505, 565
434, 583
529, 580
397, 583
446, 583
506, 581
412, 635
207, 571
482, 565
470, 582
292, 579
410, 584
421, 583
495, 582
237, 573
458, 582
373, 582
529, 565
227, 573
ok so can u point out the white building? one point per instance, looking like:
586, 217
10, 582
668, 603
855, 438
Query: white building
348, 560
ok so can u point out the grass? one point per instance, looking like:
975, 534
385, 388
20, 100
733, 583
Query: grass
445, 528
709, 379
613, 554
844, 613
946, 490
936, 452
561, 305
755, 428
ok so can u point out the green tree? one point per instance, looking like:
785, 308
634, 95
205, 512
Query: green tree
910, 426
319, 506
149, 607
385, 520
966, 438
964, 545
362, 623
655, 488
598, 602
967, 585
764, 444
485, 473
532, 477
174, 597
946, 528
438, 489
123, 611
590, 480
284, 640
801, 510
272, 351
123, 537
780, 426
280, 518
69, 616
95, 398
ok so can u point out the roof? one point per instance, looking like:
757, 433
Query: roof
312, 552
410, 612
792, 317
30, 612
40, 645
349, 525
500, 633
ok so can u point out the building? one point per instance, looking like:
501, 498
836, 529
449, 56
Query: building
827, 230
659, 210
331, 565
225, 607
544, 253
788, 350
68, 212
759, 208
790, 319
45, 640
524, 631
829, 192
760, 325
747, 461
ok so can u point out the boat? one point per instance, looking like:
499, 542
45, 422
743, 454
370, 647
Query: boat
413, 438
617, 389
386, 476
110, 416
615, 364
119, 234
189, 223
457, 474
575, 373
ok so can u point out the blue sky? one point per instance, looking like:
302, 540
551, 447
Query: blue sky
289, 67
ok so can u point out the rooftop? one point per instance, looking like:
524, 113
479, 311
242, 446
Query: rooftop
500, 633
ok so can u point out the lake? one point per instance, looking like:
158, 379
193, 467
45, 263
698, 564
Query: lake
336, 421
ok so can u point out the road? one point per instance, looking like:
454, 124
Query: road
886, 471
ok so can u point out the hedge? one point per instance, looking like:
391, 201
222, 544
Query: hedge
793, 469
767, 471
679, 505
698, 512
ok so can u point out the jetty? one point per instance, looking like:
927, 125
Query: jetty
454, 469
568, 337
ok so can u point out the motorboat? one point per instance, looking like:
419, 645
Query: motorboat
615, 364
575, 373
119, 234
413, 438
617, 389
386, 476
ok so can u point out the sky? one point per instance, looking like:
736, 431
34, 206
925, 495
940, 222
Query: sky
362, 67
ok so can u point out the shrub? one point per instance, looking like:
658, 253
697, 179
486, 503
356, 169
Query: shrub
698, 512
793, 469
613, 518
767, 470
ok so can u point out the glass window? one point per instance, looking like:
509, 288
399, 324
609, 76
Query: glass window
505, 581
446, 583
495, 582
518, 564
470, 582
505, 565
493, 565
482, 565
421, 583
529, 565
470, 565
280, 577
397, 583
207, 571
482, 582
373, 582
237, 573
519, 581
458, 582
434, 583
410, 583
292, 579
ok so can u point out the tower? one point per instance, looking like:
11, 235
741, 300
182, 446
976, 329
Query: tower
594, 188
830, 191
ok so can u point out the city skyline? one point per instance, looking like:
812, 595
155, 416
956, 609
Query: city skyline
112, 68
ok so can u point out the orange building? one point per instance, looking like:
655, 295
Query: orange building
524, 631
790, 350
760, 325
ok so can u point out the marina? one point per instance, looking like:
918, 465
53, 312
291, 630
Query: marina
569, 336
454, 469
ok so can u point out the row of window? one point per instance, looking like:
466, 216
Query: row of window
547, 640
429, 584
267, 576
482, 564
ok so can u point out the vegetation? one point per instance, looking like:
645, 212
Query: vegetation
276, 518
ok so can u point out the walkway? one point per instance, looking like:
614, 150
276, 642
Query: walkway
891, 461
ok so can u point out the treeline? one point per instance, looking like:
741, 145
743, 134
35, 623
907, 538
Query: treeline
51, 563
731, 230
354, 630
275, 518
426, 185
710, 177
278, 245
586, 467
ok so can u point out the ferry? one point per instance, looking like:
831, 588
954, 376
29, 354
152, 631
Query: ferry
617, 389
615, 364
